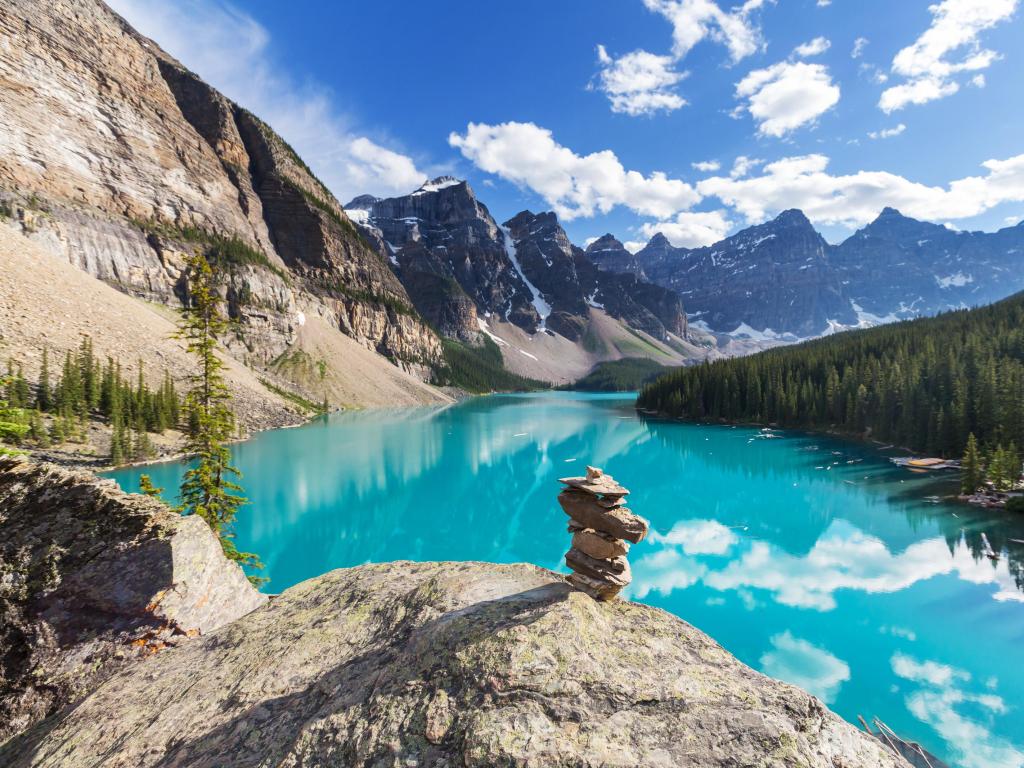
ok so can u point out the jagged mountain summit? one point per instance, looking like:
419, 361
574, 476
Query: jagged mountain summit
774, 277
516, 282
781, 281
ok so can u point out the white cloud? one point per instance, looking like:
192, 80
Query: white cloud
690, 229
573, 185
858, 47
232, 51
949, 46
643, 83
926, 671
978, 81
698, 537
743, 165
814, 669
786, 95
634, 246
887, 133
824, 3
695, 20
855, 199
813, 48
707, 166
639, 83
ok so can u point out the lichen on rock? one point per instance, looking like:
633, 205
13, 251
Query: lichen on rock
445, 664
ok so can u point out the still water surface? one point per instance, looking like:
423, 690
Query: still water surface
812, 560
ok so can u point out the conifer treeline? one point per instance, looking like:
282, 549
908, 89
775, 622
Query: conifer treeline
926, 384
88, 388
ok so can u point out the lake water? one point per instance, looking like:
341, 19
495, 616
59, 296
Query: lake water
812, 560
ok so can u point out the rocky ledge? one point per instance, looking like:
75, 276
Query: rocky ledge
94, 580
445, 664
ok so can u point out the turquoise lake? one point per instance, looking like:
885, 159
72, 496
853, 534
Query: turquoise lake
812, 560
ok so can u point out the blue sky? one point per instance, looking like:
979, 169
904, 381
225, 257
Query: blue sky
599, 109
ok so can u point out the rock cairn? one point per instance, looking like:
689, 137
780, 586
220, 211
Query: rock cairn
602, 529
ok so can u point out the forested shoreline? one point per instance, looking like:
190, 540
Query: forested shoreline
925, 384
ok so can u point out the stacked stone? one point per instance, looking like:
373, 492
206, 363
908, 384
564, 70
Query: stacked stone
602, 529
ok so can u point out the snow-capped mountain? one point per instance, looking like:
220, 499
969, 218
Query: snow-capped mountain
782, 281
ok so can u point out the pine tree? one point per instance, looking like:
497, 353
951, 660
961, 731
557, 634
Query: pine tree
210, 488
44, 398
973, 474
146, 486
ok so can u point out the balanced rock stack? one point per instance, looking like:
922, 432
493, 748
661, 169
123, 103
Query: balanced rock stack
601, 529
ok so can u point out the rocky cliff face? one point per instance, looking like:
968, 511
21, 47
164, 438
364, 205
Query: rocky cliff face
444, 664
92, 581
611, 255
120, 160
784, 278
450, 254
571, 282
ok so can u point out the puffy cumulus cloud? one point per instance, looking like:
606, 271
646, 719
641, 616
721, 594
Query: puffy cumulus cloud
232, 51
787, 95
855, 199
887, 133
573, 185
690, 229
949, 46
639, 83
814, 669
813, 48
664, 572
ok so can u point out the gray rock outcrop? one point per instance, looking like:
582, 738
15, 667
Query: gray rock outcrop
93, 580
446, 664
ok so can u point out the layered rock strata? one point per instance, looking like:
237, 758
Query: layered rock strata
602, 529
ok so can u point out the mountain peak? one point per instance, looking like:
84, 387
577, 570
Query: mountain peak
437, 184
658, 241
607, 242
792, 217
889, 211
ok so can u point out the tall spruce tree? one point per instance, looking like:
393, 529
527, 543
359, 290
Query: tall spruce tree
210, 488
973, 473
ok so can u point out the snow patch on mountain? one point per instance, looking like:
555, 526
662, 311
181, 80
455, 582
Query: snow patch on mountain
542, 307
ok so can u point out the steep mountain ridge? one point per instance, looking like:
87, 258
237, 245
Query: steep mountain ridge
780, 281
519, 283
118, 159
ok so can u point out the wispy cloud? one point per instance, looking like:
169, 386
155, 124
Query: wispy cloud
234, 53
887, 133
950, 46
643, 83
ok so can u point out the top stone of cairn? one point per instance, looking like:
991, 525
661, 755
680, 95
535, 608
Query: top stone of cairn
597, 483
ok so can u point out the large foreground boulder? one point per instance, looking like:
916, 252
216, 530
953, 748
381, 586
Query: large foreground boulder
446, 664
93, 580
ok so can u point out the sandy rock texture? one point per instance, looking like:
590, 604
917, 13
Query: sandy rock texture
93, 580
447, 664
